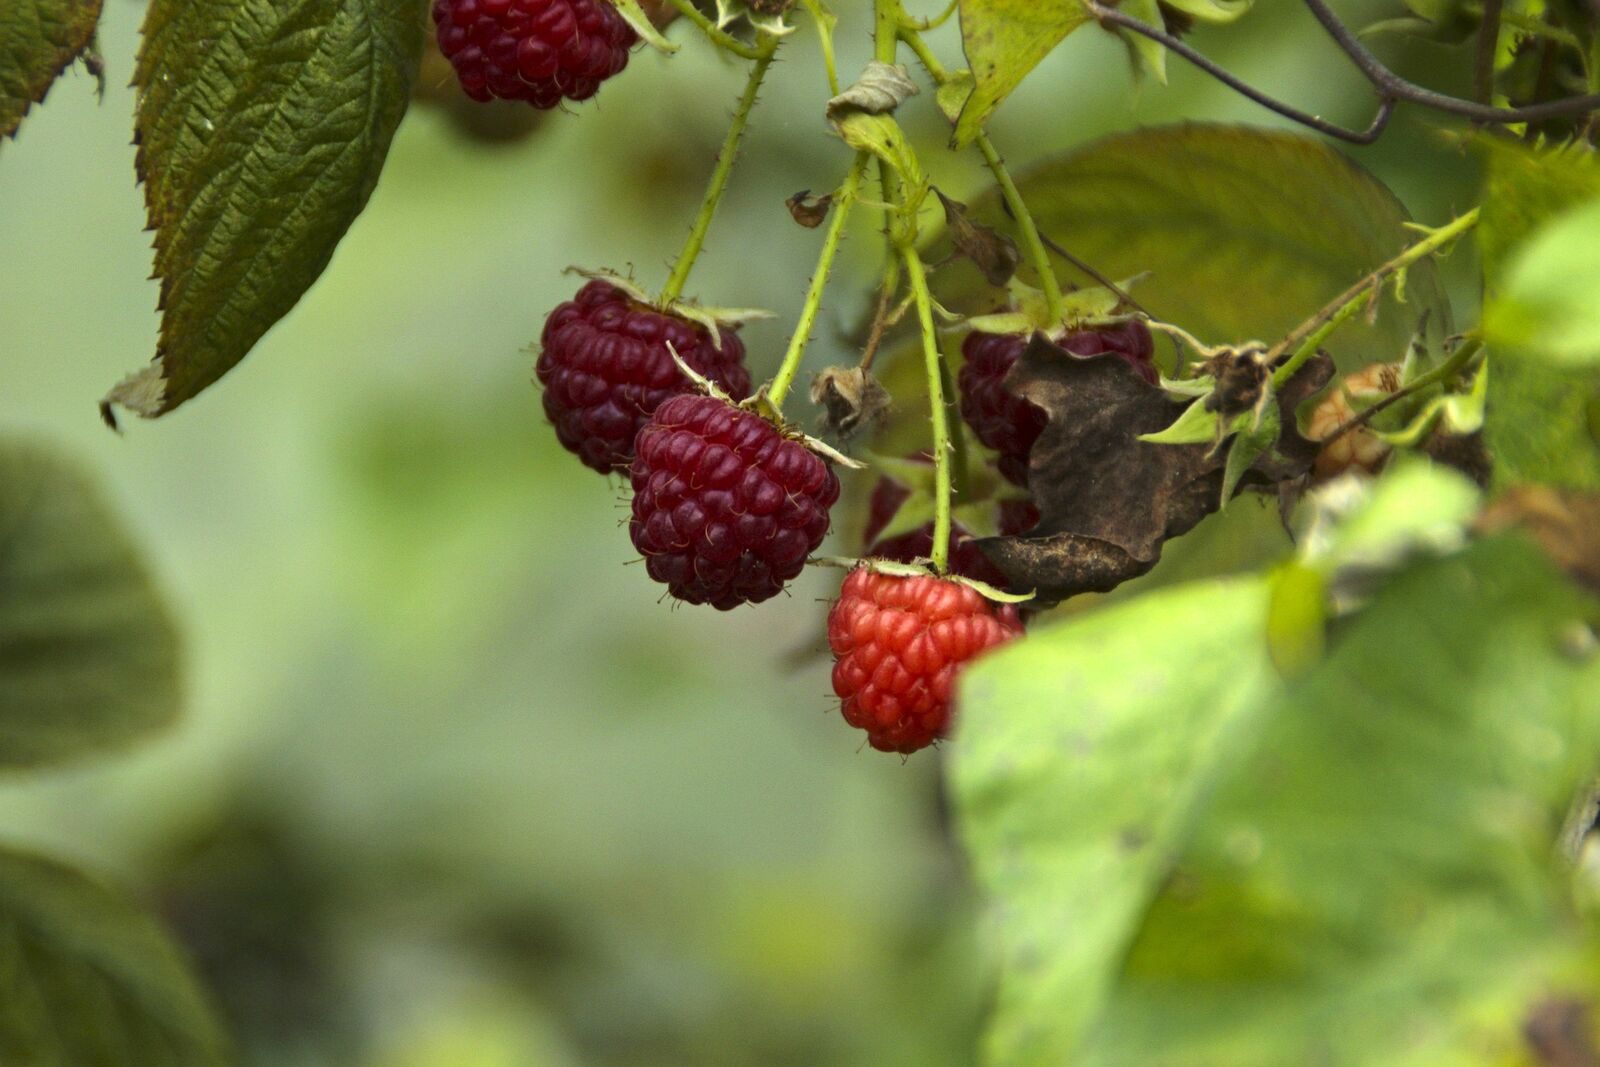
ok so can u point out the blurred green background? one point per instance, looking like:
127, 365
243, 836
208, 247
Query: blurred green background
454, 787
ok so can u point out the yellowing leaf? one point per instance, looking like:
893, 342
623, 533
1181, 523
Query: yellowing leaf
1004, 41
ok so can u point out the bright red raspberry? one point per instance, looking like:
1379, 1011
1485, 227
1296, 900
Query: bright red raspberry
898, 644
726, 508
1006, 422
605, 367
541, 51
966, 559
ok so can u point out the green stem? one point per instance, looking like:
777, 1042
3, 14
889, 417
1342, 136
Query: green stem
1032, 245
719, 37
960, 470
843, 201
1309, 335
886, 29
933, 362
825, 21
719, 177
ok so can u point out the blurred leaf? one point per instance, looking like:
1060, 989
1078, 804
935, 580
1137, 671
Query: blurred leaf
1355, 868
87, 653
1526, 188
1297, 617
1246, 232
1004, 40
1071, 808
1549, 304
1538, 426
38, 40
1148, 56
1212, 10
90, 980
261, 128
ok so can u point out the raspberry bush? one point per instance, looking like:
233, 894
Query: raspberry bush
1295, 761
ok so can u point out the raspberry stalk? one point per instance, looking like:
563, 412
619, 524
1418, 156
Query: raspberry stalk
719, 177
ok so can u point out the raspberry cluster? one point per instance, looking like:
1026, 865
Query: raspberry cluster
606, 365
539, 51
898, 645
1010, 424
726, 508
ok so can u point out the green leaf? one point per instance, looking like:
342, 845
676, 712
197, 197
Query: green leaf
1082, 754
1245, 232
90, 980
1549, 305
87, 653
1255, 436
1525, 188
1351, 868
38, 40
1297, 617
1148, 56
1197, 424
1004, 40
262, 127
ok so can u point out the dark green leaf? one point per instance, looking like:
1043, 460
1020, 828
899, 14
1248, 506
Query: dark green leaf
87, 652
262, 127
38, 40
1245, 232
90, 980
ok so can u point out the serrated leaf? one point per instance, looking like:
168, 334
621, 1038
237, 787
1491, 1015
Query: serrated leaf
38, 40
1189, 861
262, 127
1004, 40
88, 655
90, 980
1244, 231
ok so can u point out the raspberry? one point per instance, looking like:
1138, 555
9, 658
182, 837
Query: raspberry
725, 508
1006, 422
966, 559
605, 367
1017, 517
1360, 449
898, 644
541, 51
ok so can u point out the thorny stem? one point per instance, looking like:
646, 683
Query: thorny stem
719, 177
718, 36
938, 413
1444, 371
824, 20
1391, 88
1038, 255
1309, 335
843, 201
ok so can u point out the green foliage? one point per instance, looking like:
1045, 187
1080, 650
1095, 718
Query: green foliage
90, 980
38, 40
1287, 220
87, 653
1004, 40
1549, 304
1524, 189
261, 130
1192, 862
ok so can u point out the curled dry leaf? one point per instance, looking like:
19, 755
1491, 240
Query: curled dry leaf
1107, 500
851, 399
994, 253
881, 88
809, 211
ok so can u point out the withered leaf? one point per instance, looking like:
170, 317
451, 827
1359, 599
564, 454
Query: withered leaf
1107, 500
994, 253
851, 399
809, 211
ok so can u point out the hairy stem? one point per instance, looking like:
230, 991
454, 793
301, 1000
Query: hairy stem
1033, 247
844, 199
719, 37
1306, 338
933, 362
719, 177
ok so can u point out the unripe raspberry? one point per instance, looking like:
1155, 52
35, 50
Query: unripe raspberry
1360, 449
540, 51
1010, 424
606, 366
726, 508
899, 643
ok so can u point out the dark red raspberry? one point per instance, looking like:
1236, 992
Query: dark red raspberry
965, 557
1006, 422
898, 644
605, 367
725, 508
1017, 517
541, 51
